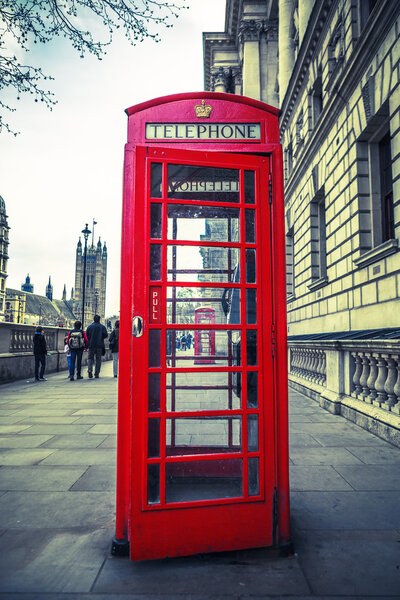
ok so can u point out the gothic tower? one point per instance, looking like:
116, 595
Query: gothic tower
4, 228
27, 286
49, 290
95, 281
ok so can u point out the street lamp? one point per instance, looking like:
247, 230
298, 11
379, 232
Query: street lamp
86, 232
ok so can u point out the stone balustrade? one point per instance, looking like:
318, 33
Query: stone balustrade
376, 378
308, 363
359, 379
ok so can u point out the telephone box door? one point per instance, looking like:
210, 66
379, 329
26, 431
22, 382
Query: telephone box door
202, 440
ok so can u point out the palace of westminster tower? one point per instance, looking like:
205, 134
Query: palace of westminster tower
95, 286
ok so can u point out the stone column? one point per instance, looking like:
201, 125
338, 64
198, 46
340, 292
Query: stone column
249, 36
286, 46
219, 79
305, 8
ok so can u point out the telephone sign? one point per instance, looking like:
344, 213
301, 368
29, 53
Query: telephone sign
202, 450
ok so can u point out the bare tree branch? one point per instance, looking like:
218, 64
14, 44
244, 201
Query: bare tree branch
27, 22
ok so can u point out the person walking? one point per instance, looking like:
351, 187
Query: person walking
114, 347
77, 342
96, 334
40, 352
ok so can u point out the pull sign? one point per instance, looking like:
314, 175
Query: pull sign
155, 304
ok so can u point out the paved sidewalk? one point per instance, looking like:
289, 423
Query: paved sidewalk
57, 495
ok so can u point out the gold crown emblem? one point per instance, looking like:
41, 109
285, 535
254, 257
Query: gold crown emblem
203, 111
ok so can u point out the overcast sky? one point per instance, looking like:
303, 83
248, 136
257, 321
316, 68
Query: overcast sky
66, 166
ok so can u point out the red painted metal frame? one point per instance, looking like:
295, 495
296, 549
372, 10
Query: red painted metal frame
236, 516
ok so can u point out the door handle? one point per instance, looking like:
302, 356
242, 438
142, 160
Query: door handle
137, 327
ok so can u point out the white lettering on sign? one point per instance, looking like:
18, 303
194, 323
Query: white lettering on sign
203, 186
155, 302
203, 131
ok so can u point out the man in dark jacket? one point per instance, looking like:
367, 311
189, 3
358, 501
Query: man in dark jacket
40, 352
96, 334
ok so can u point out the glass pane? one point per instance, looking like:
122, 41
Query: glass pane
252, 389
155, 220
154, 438
201, 391
251, 307
203, 480
250, 266
250, 226
155, 262
203, 305
249, 187
252, 433
203, 223
207, 435
251, 339
154, 348
207, 347
254, 480
194, 263
156, 180
154, 392
153, 484
212, 184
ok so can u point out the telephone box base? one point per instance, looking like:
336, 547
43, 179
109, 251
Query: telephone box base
120, 547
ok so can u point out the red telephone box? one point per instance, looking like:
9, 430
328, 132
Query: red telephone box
204, 340
202, 448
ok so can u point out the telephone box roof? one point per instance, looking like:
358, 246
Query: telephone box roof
200, 95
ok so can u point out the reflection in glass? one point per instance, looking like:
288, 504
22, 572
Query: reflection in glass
251, 345
207, 435
155, 220
154, 438
203, 183
155, 262
250, 226
182, 303
252, 389
153, 484
203, 223
254, 480
252, 433
154, 392
200, 391
156, 180
251, 307
194, 263
250, 266
203, 480
249, 187
208, 347
154, 348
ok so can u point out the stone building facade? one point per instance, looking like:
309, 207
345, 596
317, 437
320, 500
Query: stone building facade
332, 66
96, 279
4, 241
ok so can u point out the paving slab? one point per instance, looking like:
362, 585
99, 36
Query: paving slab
96, 479
372, 477
35, 510
303, 440
23, 441
98, 456
317, 478
323, 456
225, 575
39, 478
373, 455
86, 440
23, 456
51, 428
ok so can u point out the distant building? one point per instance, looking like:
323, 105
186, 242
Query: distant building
33, 309
95, 284
49, 290
4, 241
27, 286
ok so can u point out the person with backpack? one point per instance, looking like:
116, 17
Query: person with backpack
114, 347
77, 342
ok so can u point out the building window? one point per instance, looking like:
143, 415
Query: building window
365, 8
318, 242
290, 264
375, 190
